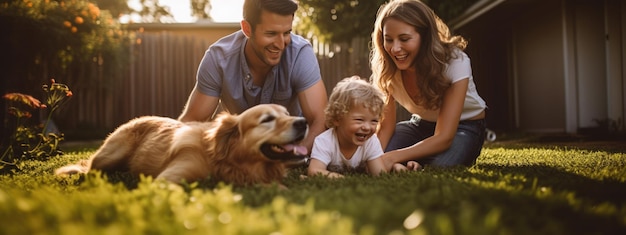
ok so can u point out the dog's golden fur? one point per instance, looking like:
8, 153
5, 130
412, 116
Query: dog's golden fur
240, 149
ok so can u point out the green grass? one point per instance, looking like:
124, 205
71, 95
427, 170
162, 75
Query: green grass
513, 189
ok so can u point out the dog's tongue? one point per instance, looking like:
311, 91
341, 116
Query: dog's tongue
297, 149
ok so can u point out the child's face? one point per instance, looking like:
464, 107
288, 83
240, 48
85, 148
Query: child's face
356, 127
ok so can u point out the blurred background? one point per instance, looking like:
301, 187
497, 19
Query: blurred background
543, 66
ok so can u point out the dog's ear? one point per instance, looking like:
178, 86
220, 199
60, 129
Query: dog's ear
224, 133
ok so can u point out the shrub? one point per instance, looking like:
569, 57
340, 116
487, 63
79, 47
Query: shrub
33, 139
74, 39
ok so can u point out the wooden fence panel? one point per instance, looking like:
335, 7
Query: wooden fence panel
162, 74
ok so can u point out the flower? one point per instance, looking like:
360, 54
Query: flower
56, 93
24, 99
28, 140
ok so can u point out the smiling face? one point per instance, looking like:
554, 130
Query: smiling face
268, 40
402, 42
270, 129
356, 126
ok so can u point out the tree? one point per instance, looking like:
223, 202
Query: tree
117, 8
449, 9
336, 21
342, 20
72, 41
152, 11
50, 38
201, 9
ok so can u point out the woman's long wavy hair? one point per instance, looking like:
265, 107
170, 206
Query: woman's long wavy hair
436, 49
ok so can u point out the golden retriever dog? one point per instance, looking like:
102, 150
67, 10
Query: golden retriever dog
245, 149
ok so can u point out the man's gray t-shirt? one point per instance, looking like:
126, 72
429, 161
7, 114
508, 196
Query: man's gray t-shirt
224, 73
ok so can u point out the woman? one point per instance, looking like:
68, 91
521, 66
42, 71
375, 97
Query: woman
418, 64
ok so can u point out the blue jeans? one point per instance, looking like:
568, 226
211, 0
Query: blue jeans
465, 148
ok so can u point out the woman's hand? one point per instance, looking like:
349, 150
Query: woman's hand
413, 165
410, 166
397, 167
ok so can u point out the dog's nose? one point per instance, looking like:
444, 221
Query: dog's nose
300, 124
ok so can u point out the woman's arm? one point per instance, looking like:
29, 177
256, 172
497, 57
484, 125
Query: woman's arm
447, 124
388, 123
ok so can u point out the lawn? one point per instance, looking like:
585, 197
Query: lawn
516, 187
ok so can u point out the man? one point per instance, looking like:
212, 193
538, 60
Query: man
264, 62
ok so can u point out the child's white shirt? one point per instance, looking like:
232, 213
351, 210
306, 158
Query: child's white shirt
326, 149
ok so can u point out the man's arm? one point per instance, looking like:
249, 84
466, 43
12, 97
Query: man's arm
199, 107
313, 102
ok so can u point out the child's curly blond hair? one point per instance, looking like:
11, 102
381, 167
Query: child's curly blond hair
350, 92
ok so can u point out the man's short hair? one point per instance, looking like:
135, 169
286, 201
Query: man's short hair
252, 9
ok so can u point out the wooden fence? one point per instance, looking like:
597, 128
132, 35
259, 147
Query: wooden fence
340, 60
162, 74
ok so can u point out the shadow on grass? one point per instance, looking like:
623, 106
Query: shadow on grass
608, 143
596, 191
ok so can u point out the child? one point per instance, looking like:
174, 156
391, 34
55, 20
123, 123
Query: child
352, 114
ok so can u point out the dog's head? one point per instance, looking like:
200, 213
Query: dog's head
266, 130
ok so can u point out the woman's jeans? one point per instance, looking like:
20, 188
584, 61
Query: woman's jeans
465, 148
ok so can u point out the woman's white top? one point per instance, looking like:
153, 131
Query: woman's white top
457, 69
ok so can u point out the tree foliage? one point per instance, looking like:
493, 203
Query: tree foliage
336, 21
46, 38
117, 8
152, 11
201, 9
149, 11
74, 42
342, 20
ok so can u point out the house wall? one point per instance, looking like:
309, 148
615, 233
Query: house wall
538, 69
616, 78
564, 62
492, 76
589, 41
